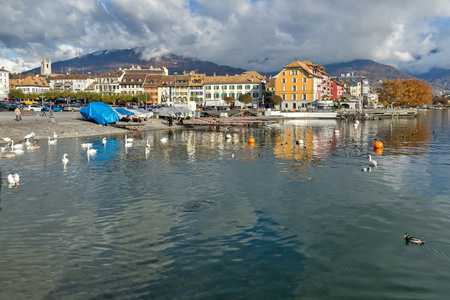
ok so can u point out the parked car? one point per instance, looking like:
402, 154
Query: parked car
34, 107
54, 107
72, 107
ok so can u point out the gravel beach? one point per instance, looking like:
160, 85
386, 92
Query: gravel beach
65, 124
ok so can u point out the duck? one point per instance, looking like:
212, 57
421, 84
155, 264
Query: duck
91, 151
164, 140
51, 142
413, 239
104, 141
127, 139
13, 179
369, 169
372, 163
65, 158
29, 136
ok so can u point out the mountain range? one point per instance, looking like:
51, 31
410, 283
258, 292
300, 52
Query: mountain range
111, 60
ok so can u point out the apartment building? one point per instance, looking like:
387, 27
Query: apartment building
4, 83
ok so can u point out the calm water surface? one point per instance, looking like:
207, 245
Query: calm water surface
206, 217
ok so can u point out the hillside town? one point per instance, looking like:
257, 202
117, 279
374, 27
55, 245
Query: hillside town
299, 85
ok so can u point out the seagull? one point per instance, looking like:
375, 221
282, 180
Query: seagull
13, 179
29, 136
65, 158
51, 142
372, 162
104, 141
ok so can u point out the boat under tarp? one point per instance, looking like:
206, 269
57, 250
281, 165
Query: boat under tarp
100, 113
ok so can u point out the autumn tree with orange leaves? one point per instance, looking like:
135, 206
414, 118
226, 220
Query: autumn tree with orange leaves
409, 92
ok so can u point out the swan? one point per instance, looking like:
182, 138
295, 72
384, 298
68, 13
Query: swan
228, 136
104, 141
128, 139
164, 140
86, 145
29, 136
51, 142
372, 162
16, 145
128, 144
13, 179
147, 145
54, 134
18, 151
28, 142
65, 158
91, 151
3, 149
33, 147
6, 139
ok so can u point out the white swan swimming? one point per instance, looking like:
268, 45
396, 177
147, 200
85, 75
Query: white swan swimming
91, 151
6, 139
104, 141
372, 162
51, 142
28, 142
128, 139
65, 159
128, 144
13, 179
16, 146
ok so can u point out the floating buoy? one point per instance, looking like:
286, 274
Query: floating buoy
378, 144
251, 140
378, 151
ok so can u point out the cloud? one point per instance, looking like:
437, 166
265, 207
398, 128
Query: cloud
261, 35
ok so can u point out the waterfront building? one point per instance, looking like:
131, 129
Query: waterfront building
355, 85
297, 85
46, 67
219, 87
150, 87
196, 90
70, 82
4, 83
29, 84
108, 83
337, 89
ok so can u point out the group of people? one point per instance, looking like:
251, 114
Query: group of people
18, 113
170, 120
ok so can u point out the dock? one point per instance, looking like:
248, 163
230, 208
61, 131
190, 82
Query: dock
376, 114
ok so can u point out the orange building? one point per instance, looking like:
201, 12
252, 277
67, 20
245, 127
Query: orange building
297, 84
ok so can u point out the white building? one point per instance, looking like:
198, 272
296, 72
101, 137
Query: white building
4, 83
72, 83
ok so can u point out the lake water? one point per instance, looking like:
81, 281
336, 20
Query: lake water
203, 216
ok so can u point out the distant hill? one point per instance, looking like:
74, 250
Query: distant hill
439, 78
111, 60
368, 68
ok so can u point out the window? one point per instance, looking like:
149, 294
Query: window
304, 88
284, 73
231, 87
247, 87
293, 97
239, 87
216, 87
304, 97
224, 87
293, 80
283, 80
294, 88
283, 88
304, 79
283, 96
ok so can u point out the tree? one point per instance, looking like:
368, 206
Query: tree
228, 100
390, 92
16, 94
246, 99
409, 92
275, 100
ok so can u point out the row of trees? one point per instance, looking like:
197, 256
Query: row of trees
88, 96
409, 92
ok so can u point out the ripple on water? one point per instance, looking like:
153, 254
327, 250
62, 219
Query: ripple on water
195, 206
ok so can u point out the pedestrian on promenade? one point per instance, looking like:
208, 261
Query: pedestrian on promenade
50, 111
18, 114
43, 113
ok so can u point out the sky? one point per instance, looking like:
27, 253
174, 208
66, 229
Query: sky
259, 35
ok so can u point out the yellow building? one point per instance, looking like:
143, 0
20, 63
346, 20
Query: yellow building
297, 84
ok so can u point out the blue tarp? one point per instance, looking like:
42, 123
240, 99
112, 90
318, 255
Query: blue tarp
100, 113
123, 111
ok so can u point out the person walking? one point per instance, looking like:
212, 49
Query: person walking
43, 113
18, 114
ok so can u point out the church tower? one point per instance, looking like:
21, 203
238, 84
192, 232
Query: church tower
46, 67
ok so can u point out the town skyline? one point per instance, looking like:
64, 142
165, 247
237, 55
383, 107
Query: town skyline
254, 35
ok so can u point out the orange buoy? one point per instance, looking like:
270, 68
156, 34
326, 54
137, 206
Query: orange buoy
378, 144
251, 140
378, 151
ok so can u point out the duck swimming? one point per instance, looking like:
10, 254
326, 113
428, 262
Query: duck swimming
413, 239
